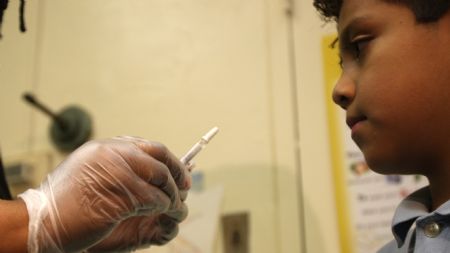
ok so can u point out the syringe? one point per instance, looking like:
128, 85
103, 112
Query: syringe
199, 145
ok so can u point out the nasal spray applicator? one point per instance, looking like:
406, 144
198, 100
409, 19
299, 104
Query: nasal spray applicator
186, 159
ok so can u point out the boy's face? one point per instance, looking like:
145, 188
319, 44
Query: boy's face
395, 86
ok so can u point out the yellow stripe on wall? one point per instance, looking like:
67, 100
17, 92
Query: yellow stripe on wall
332, 72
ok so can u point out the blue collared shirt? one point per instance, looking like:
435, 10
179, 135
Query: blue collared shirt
418, 230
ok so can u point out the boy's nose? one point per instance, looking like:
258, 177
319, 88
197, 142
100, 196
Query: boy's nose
344, 91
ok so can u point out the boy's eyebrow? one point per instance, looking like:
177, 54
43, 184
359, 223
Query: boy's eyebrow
348, 29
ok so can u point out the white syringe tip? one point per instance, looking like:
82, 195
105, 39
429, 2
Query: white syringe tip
210, 134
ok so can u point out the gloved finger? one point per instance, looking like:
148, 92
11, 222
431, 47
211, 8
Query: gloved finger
179, 213
179, 171
138, 232
156, 174
131, 234
139, 180
160, 152
167, 229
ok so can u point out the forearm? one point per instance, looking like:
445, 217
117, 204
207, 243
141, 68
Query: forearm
13, 226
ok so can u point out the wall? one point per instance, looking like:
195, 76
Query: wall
318, 188
168, 70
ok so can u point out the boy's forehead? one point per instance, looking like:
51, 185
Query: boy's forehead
350, 8
359, 9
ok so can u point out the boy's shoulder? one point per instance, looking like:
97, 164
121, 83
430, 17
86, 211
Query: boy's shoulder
413, 223
413, 206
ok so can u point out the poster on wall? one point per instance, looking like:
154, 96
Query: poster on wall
366, 201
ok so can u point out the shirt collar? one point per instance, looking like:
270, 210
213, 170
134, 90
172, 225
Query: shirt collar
415, 205
444, 209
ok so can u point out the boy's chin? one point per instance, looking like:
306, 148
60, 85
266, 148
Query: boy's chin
389, 168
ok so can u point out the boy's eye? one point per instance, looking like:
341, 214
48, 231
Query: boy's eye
358, 46
354, 50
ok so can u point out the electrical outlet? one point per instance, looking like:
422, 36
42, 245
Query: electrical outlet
236, 233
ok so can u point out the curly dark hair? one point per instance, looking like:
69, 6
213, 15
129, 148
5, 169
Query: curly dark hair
424, 10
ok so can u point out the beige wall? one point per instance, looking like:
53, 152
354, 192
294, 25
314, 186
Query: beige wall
168, 70
318, 189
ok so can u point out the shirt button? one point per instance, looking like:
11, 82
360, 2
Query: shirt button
432, 230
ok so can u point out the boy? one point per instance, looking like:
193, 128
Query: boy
395, 88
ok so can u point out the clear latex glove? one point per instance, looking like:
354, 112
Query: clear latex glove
113, 195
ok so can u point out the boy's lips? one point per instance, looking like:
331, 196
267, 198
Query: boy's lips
353, 120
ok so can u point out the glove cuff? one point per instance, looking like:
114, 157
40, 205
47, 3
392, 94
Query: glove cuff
36, 203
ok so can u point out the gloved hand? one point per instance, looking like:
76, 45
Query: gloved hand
112, 195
